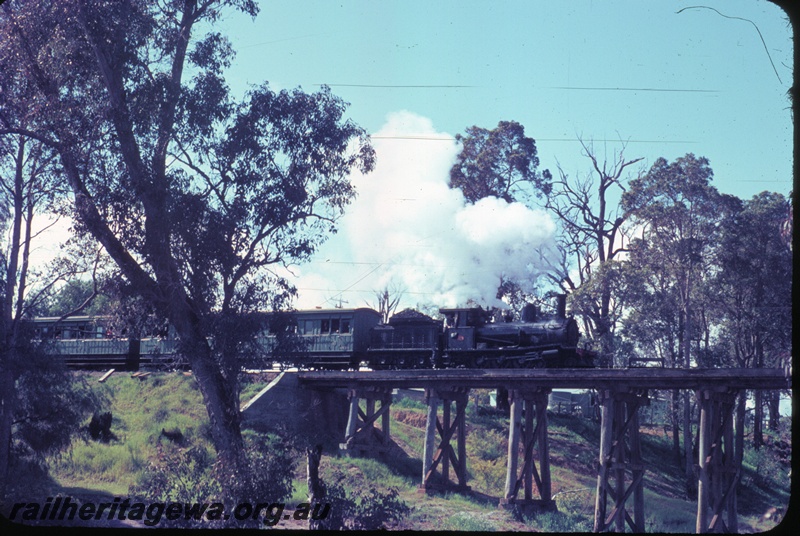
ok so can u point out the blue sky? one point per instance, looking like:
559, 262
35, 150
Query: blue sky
668, 78
689, 82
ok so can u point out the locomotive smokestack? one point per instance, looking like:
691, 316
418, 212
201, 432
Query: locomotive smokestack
561, 306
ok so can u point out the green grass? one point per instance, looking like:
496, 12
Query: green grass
409, 403
469, 521
670, 515
252, 384
140, 409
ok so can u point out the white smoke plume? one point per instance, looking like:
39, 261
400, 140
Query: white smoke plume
408, 229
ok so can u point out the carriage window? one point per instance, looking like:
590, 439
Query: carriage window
335, 325
345, 326
311, 327
326, 326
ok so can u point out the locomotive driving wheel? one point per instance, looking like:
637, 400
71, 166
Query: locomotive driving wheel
514, 362
537, 363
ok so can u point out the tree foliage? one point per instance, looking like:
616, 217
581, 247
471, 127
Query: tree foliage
679, 214
196, 196
73, 295
502, 162
751, 291
41, 405
751, 295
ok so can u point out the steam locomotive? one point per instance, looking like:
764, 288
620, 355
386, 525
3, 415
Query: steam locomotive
340, 339
476, 338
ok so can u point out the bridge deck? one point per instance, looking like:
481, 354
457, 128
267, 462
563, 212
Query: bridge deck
643, 378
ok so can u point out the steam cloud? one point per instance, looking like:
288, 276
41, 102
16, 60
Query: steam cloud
409, 230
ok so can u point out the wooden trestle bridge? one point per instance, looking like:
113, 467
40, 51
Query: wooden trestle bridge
621, 392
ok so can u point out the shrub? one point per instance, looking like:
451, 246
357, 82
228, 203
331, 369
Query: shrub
768, 471
52, 404
271, 467
488, 444
353, 509
178, 475
489, 476
192, 475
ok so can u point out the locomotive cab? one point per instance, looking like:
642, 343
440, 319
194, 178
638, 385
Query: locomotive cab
461, 325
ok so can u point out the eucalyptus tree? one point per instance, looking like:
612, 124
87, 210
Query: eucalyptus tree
679, 214
501, 162
752, 292
41, 405
21, 169
592, 239
197, 196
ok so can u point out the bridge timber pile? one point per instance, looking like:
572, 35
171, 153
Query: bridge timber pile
621, 392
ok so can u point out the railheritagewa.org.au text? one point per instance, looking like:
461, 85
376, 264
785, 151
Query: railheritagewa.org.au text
151, 514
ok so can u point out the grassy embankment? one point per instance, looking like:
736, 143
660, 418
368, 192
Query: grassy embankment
143, 408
